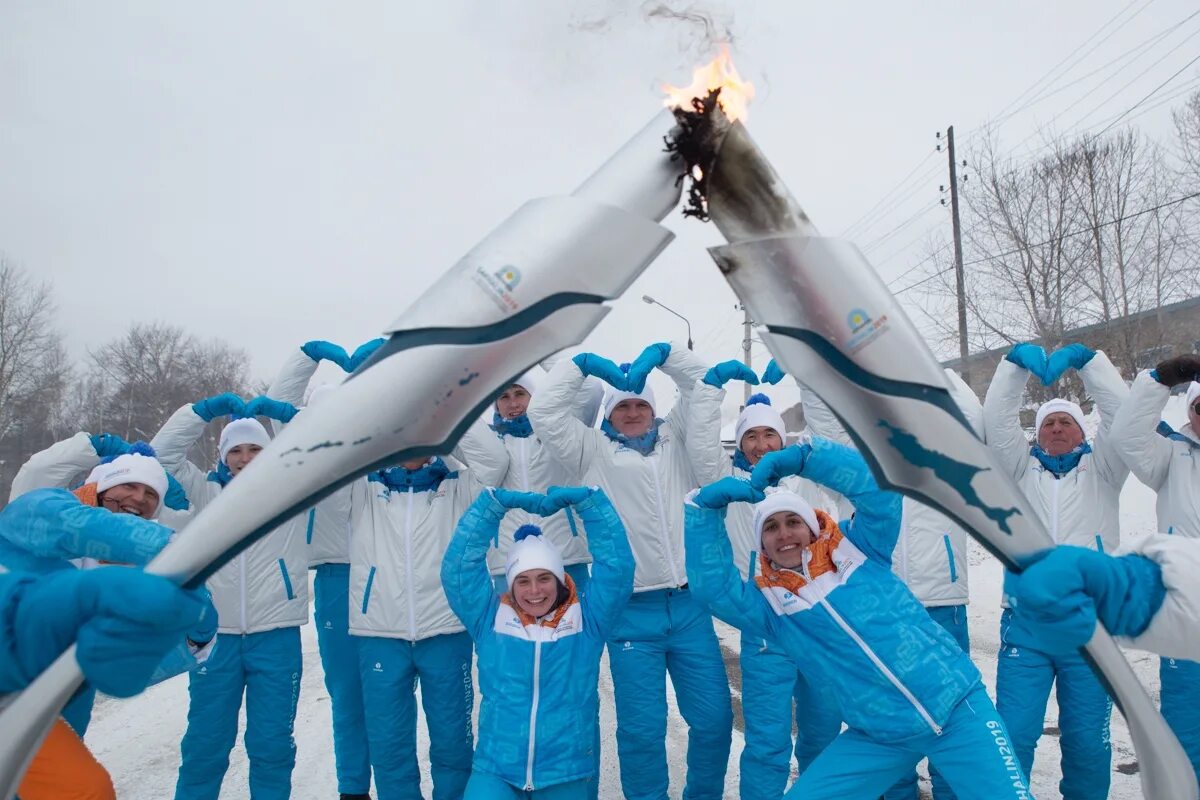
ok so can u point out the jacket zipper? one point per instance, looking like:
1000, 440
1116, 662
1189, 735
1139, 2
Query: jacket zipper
537, 670
412, 612
662, 523
242, 580
887, 673
1054, 512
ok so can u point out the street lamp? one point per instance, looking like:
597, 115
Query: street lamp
648, 299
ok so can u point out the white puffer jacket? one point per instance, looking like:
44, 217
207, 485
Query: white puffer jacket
647, 491
396, 549
266, 585
931, 551
1170, 466
64, 464
1082, 507
1174, 631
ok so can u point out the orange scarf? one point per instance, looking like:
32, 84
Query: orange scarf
821, 562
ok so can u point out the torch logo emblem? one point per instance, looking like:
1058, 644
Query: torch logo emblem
857, 319
510, 276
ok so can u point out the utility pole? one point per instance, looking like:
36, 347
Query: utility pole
958, 259
746, 329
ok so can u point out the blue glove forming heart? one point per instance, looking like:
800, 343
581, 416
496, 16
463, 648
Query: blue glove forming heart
363, 352
727, 371
532, 502
774, 373
123, 620
321, 350
725, 491
653, 356
778, 464
602, 368
1059, 598
1073, 356
564, 496
263, 406
109, 444
224, 404
1029, 356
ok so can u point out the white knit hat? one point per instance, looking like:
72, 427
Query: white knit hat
242, 431
1192, 393
616, 396
531, 550
758, 413
1058, 406
783, 500
528, 381
131, 468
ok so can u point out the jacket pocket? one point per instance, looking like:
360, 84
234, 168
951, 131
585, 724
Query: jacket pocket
950, 558
287, 581
367, 590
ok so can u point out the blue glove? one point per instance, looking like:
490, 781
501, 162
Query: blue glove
775, 465
220, 405
725, 491
176, 498
564, 496
774, 373
728, 371
203, 631
1073, 356
109, 444
1059, 598
602, 368
653, 356
363, 352
263, 406
532, 502
1029, 356
319, 349
123, 620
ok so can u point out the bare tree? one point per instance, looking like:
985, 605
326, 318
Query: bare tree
33, 363
135, 383
1187, 126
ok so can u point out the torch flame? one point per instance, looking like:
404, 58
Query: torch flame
719, 73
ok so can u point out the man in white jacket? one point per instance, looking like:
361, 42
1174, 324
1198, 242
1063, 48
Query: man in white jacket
1169, 462
261, 597
1074, 485
644, 466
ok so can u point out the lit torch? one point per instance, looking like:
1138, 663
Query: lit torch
831, 321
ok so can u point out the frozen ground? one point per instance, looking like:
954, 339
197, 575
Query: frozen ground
138, 739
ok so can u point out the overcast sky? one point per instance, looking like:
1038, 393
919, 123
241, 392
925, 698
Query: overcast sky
275, 172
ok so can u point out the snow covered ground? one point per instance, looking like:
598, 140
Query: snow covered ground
138, 739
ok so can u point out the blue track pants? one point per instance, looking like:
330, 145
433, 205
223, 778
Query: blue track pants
770, 684
661, 632
343, 681
391, 670
973, 753
1180, 707
266, 667
1023, 681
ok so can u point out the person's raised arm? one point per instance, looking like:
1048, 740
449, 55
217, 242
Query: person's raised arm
60, 463
568, 440
181, 431
612, 558
1002, 406
1135, 433
465, 577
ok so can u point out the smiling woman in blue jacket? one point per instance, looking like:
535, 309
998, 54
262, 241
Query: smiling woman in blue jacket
539, 644
826, 594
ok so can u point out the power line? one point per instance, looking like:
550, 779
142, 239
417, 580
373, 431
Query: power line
1089, 229
1069, 235
874, 244
1147, 97
903, 182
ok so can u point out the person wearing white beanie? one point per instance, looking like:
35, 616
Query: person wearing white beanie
261, 597
131, 483
1074, 485
1168, 461
774, 690
538, 643
826, 595
645, 462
